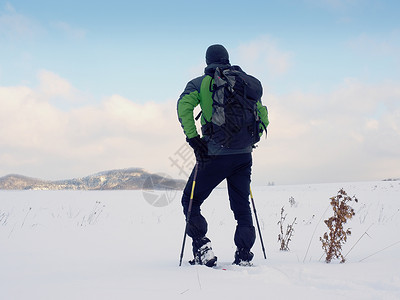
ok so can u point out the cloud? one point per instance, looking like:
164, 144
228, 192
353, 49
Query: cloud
350, 134
387, 44
26, 121
115, 133
14, 25
58, 91
342, 9
337, 5
52, 84
263, 56
70, 31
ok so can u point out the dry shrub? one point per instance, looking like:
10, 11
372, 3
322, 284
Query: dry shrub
285, 237
332, 242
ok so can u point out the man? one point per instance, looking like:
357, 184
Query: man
216, 163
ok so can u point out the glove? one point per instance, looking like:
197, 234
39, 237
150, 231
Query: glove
200, 148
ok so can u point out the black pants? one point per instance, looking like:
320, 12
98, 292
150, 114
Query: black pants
236, 169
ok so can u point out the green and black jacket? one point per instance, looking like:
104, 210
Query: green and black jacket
197, 92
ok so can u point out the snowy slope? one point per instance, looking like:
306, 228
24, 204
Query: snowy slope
115, 245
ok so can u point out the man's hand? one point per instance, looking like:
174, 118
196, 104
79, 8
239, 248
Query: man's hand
200, 148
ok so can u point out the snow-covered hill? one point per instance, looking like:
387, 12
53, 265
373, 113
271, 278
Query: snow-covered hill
122, 179
115, 245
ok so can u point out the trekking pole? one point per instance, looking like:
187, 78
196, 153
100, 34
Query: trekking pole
258, 225
189, 212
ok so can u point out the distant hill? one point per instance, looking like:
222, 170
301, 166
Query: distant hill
123, 179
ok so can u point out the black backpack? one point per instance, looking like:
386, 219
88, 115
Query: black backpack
235, 123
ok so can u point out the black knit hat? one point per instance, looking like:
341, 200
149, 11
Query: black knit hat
217, 54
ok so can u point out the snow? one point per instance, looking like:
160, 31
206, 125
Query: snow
115, 245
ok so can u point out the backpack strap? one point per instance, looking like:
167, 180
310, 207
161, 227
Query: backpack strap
198, 116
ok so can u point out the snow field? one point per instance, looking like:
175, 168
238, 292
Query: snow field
115, 245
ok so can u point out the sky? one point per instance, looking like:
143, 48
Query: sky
87, 86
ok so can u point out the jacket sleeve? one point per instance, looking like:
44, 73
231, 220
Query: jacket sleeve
187, 102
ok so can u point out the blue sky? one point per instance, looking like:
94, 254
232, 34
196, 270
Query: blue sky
85, 65
105, 48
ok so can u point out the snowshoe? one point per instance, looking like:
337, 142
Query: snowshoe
243, 258
203, 254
